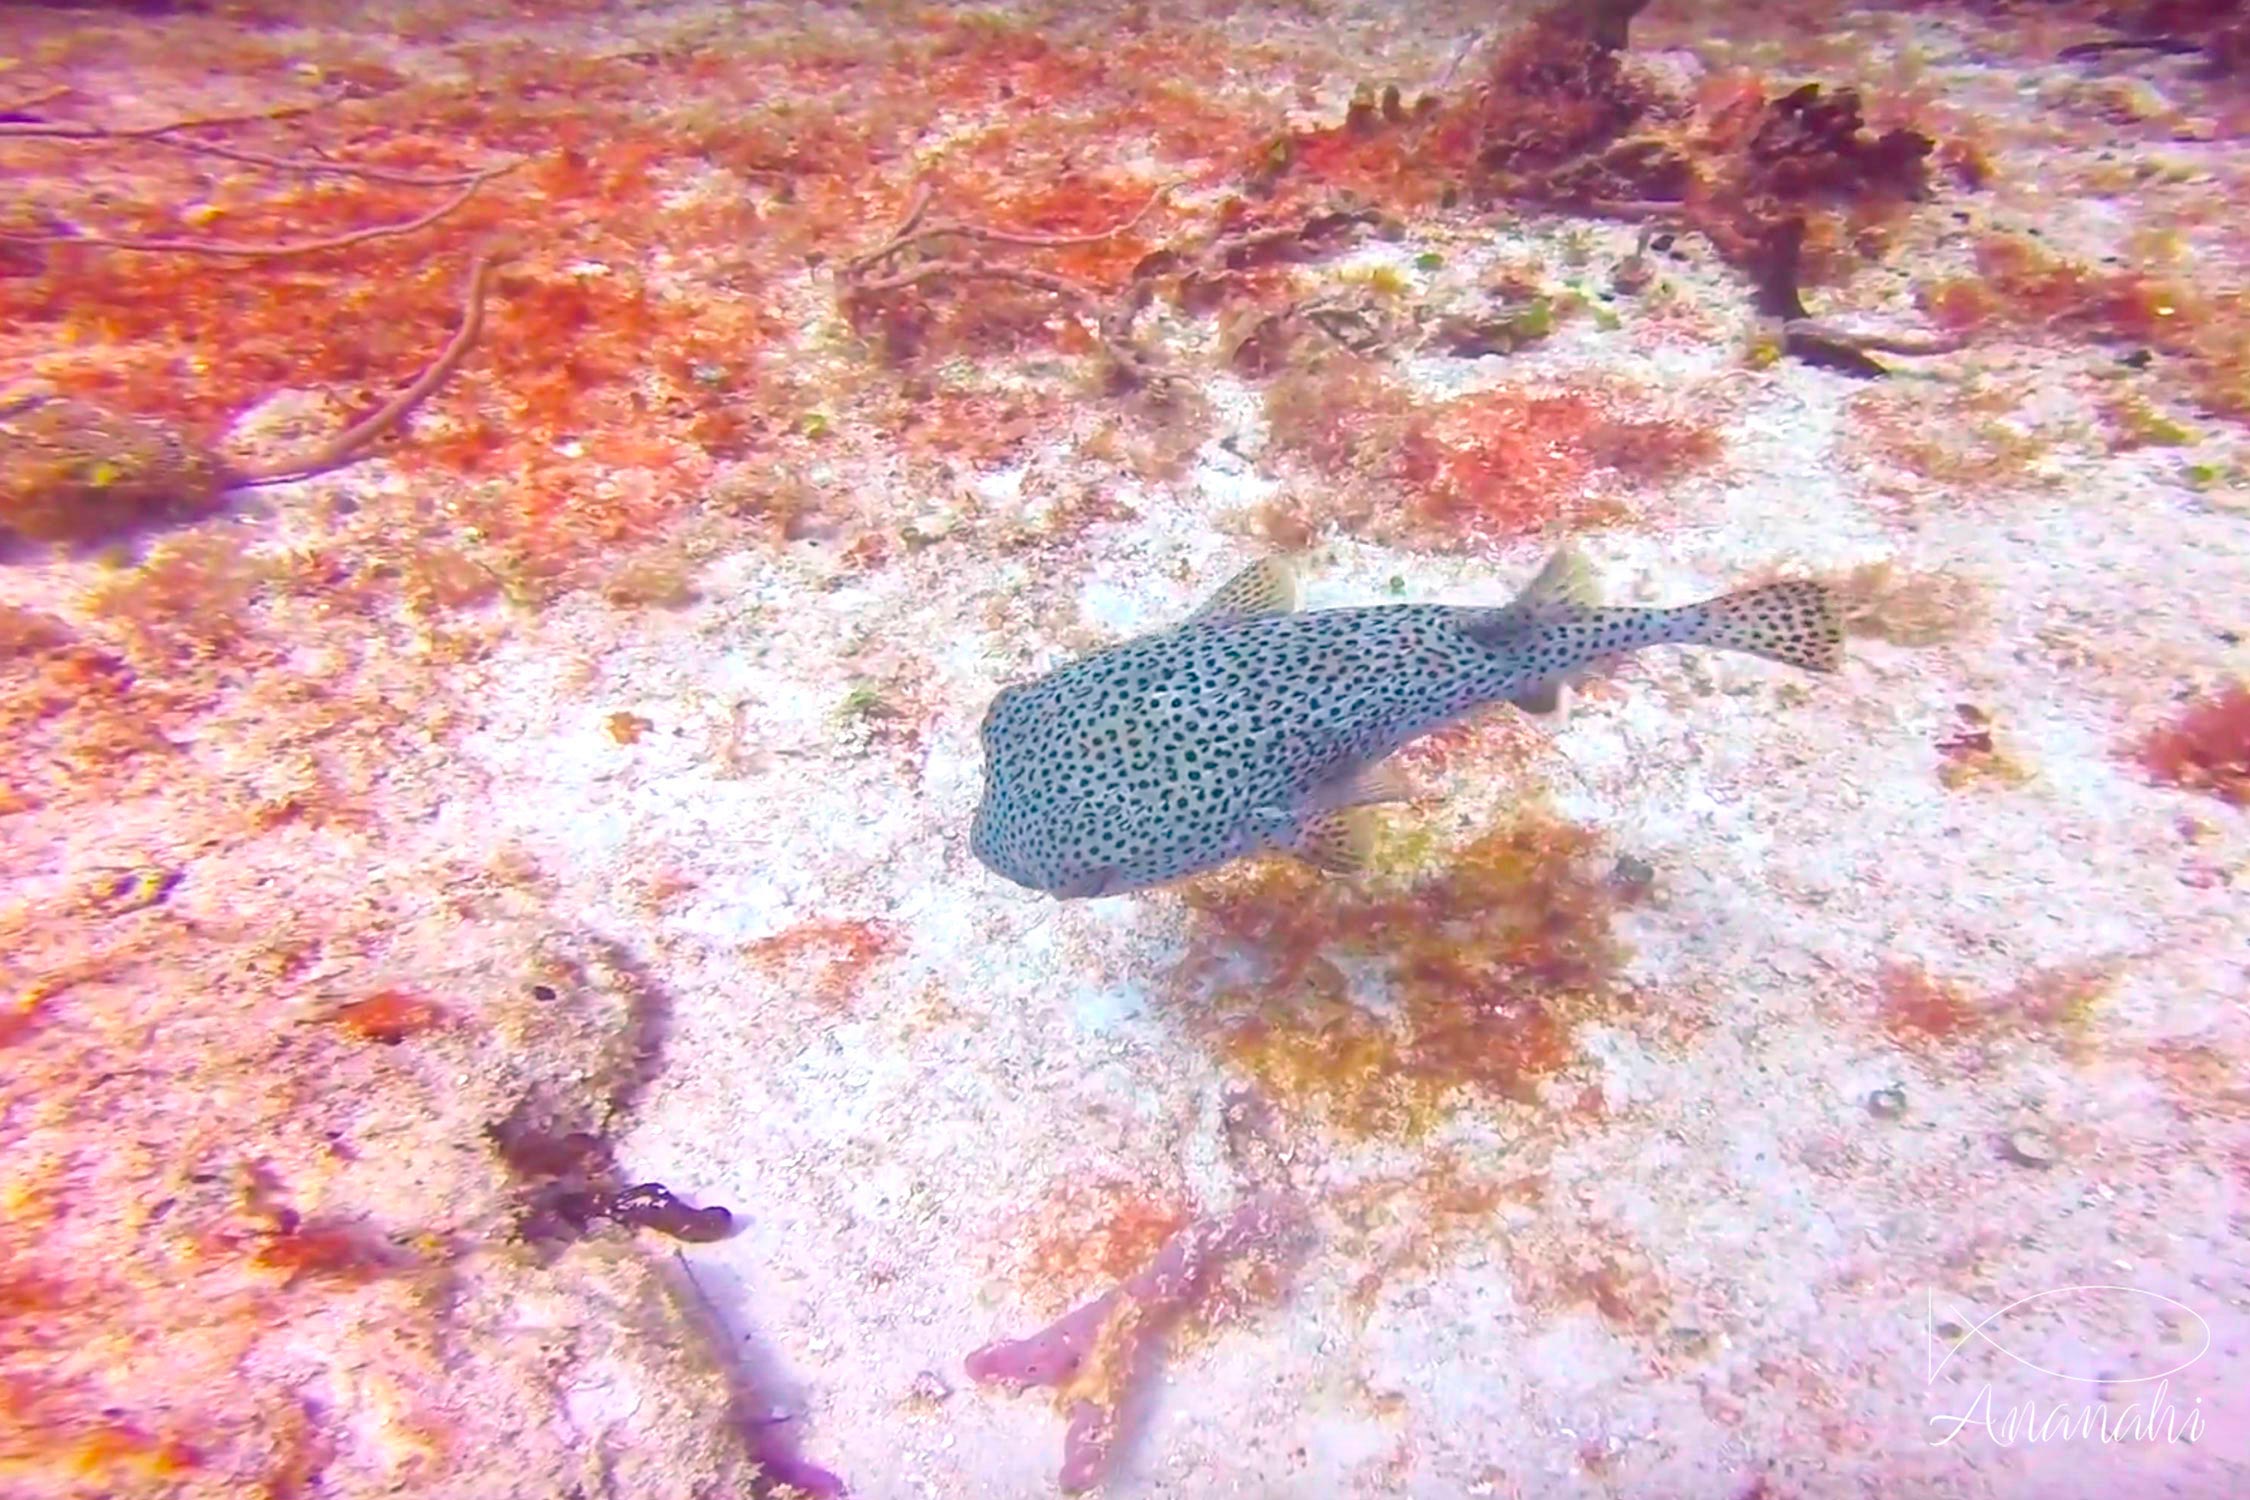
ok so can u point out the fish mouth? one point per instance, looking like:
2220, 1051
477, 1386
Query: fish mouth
1094, 883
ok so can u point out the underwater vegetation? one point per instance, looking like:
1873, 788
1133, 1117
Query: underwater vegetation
275, 1195
1486, 957
1925, 1013
2206, 747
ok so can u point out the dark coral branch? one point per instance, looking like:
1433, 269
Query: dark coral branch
2218, 29
911, 231
19, 124
1108, 325
354, 440
1874, 341
1774, 268
1111, 317
320, 166
274, 250
1101, 1356
1603, 22
783, 1473
79, 130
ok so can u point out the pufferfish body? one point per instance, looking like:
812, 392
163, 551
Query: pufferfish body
1251, 726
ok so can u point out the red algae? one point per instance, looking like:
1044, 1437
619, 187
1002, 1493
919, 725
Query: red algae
2206, 748
1493, 958
835, 955
1496, 465
1920, 1009
2024, 284
1592, 1265
1506, 464
570, 331
1380, 154
1500, 464
656, 349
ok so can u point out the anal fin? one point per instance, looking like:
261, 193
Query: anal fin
1544, 699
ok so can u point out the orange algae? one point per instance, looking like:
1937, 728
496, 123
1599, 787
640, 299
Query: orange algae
1905, 608
1927, 1013
2203, 1080
42, 1434
339, 1253
2020, 282
1590, 1264
2022, 285
1491, 959
2206, 748
1098, 1236
1409, 1224
75, 714
571, 334
1494, 465
389, 1016
1381, 154
1972, 753
1969, 439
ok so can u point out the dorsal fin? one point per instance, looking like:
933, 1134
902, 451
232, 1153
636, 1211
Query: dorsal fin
1563, 587
1564, 584
1267, 587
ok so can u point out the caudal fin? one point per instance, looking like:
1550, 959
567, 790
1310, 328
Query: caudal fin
1798, 622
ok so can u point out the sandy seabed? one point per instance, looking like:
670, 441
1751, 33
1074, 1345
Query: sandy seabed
1746, 1084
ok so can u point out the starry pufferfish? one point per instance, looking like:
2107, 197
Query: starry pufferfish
1251, 727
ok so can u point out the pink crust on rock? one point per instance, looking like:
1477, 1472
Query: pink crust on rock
1100, 1356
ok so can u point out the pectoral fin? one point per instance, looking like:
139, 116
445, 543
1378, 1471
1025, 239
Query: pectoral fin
1335, 843
1363, 786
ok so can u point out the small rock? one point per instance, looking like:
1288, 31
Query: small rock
1631, 876
2027, 1147
929, 1385
2130, 100
116, 890
1887, 1103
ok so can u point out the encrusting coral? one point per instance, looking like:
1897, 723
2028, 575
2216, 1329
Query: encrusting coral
71, 471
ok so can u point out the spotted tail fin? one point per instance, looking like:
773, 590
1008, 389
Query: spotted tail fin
1797, 622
